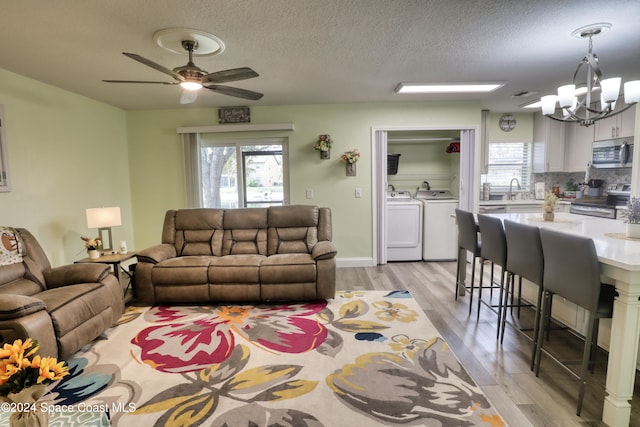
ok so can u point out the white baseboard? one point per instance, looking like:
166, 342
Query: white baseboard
354, 262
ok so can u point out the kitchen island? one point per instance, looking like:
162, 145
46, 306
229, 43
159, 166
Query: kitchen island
620, 262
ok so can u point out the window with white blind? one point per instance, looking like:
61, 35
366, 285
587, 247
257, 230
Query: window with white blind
508, 160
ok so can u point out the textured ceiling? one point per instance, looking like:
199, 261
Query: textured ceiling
313, 51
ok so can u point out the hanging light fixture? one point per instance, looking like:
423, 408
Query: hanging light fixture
575, 99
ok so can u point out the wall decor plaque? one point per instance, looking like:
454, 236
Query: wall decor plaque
234, 115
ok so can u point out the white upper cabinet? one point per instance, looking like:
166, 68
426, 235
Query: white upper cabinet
620, 126
548, 144
578, 144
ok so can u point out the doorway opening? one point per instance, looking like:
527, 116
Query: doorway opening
461, 181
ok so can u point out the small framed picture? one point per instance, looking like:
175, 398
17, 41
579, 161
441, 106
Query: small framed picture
234, 115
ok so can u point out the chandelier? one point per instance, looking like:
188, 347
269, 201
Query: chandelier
575, 99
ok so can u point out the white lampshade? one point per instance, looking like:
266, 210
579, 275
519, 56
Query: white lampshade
604, 104
103, 217
566, 111
548, 104
610, 89
566, 95
632, 91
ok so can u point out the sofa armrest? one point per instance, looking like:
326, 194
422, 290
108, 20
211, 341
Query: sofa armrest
157, 253
15, 306
73, 274
324, 250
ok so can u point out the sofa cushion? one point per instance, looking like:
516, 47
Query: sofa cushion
245, 231
198, 232
16, 306
233, 269
288, 268
292, 229
15, 279
292, 240
70, 306
183, 269
235, 278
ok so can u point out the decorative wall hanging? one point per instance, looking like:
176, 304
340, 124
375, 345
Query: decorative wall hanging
234, 115
323, 144
350, 158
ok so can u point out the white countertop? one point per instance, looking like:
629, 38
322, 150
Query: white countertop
615, 251
518, 202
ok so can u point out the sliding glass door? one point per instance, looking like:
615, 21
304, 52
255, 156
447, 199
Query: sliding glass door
242, 174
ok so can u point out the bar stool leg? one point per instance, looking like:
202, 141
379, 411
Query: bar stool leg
458, 271
536, 326
473, 275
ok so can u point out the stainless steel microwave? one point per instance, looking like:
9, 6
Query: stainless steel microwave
613, 153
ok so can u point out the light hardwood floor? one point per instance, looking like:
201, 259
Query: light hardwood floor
502, 371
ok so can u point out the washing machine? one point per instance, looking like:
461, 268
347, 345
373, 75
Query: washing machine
404, 227
440, 232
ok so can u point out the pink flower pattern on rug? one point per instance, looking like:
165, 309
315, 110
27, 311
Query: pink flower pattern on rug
179, 343
363, 358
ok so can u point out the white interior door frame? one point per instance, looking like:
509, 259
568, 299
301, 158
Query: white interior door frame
469, 176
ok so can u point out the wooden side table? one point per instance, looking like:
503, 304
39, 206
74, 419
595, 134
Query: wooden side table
116, 260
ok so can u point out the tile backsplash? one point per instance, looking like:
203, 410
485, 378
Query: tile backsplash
609, 176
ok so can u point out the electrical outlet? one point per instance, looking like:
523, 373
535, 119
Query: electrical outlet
309, 193
358, 193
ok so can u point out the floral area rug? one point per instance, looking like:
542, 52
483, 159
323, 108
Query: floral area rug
361, 359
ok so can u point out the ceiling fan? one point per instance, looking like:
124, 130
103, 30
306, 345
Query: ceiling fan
192, 78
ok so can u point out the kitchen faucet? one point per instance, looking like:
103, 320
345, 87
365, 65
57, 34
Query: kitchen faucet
510, 196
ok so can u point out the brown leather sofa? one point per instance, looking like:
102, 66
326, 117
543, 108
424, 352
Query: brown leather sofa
280, 253
63, 308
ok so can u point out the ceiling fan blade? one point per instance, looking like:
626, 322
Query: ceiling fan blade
188, 96
234, 91
232, 75
154, 65
141, 81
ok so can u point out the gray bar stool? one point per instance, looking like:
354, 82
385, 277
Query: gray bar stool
572, 271
524, 259
467, 241
494, 249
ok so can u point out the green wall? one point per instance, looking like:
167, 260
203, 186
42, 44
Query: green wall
157, 171
66, 153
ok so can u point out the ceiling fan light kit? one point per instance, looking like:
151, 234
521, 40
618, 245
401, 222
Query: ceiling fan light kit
575, 99
191, 77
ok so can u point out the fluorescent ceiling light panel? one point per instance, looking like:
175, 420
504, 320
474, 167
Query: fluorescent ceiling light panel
447, 87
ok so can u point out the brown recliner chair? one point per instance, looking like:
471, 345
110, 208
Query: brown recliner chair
63, 308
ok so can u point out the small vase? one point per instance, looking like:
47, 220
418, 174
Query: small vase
324, 155
93, 254
351, 169
31, 415
633, 231
548, 216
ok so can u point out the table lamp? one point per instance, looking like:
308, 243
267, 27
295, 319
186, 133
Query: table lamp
103, 219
